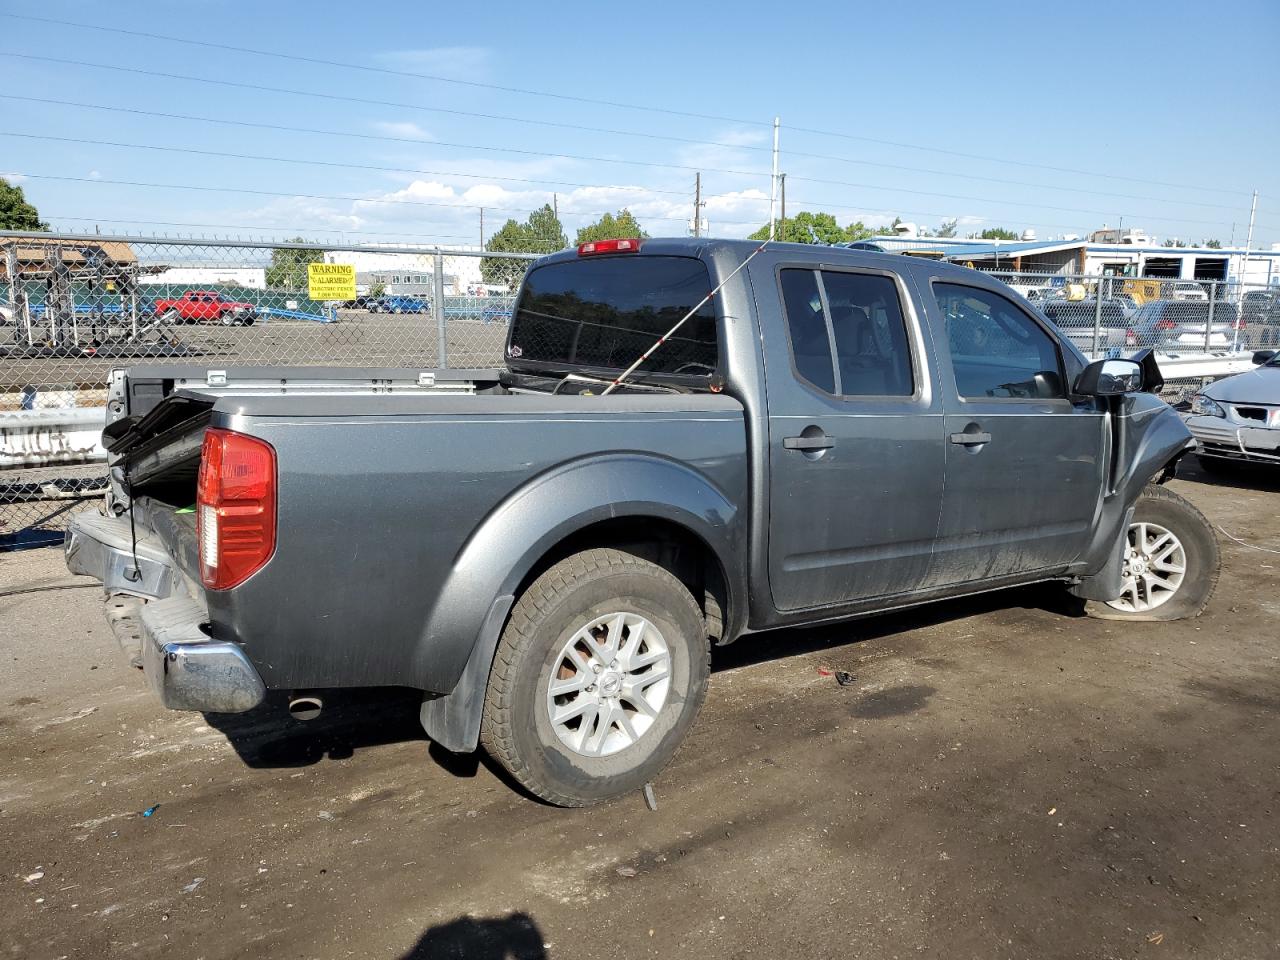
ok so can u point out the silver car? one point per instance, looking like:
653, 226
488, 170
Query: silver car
1238, 419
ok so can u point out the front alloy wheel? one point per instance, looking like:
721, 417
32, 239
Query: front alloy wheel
1154, 566
1171, 561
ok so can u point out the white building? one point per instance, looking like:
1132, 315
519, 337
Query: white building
409, 273
251, 278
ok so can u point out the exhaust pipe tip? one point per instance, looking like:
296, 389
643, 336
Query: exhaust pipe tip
305, 706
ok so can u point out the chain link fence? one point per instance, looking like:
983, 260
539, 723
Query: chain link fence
72, 308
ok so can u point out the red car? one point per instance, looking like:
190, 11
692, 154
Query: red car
206, 306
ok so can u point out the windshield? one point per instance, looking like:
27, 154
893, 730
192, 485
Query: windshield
604, 313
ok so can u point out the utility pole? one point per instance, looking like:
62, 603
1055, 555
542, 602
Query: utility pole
555, 205
784, 206
482, 228
697, 204
1244, 270
773, 185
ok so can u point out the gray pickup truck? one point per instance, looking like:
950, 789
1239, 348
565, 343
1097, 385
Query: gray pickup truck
550, 558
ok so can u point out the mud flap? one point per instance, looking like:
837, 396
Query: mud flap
1108, 582
453, 720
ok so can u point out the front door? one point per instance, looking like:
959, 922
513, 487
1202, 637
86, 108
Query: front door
855, 437
1025, 466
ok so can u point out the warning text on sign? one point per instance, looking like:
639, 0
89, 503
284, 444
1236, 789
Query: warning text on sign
331, 281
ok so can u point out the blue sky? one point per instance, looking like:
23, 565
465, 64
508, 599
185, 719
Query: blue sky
1164, 115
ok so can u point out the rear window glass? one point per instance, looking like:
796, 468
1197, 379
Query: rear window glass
605, 312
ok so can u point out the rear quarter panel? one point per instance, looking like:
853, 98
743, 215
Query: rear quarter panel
401, 519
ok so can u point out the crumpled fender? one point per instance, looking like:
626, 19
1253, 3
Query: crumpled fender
457, 645
1148, 437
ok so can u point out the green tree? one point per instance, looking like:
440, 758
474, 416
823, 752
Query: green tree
1213, 244
288, 270
15, 212
542, 232
609, 227
377, 289
948, 228
1174, 242
994, 233
807, 227
860, 231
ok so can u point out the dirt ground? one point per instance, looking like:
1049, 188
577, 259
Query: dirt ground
1003, 779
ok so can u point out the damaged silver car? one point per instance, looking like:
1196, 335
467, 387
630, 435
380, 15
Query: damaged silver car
1237, 419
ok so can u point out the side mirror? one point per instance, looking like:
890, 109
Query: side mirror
1109, 378
1263, 356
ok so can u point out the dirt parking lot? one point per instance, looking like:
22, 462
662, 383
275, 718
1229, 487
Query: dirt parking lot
1003, 779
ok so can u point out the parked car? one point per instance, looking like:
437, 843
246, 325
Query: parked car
1186, 290
399, 305
1076, 318
813, 434
1182, 325
1237, 419
205, 306
1260, 310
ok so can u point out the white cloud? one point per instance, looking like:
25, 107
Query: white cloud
404, 129
12, 177
94, 175
459, 63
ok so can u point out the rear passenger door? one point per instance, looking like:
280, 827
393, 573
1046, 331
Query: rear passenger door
1024, 464
855, 437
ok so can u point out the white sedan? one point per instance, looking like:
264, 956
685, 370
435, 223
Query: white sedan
1238, 419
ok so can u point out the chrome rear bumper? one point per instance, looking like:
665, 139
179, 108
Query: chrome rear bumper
164, 626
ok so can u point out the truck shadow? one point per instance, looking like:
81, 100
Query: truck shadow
777, 644
352, 720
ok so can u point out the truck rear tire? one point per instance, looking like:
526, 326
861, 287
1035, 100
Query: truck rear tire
599, 674
1171, 562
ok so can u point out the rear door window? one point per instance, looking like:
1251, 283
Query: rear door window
855, 318
605, 312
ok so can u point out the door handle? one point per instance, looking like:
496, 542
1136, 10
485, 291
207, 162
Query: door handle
820, 442
970, 439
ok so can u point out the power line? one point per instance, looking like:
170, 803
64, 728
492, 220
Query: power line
328, 163
377, 137
568, 97
473, 176
591, 159
347, 198
329, 64
262, 88
1016, 163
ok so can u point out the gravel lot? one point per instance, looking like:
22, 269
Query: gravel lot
1004, 779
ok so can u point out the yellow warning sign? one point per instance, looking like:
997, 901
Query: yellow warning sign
331, 281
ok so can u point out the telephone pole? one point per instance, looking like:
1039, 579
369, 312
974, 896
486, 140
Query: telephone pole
773, 181
697, 204
783, 177
555, 205
482, 228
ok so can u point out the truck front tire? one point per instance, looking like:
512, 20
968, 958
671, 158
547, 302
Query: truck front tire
599, 674
1171, 562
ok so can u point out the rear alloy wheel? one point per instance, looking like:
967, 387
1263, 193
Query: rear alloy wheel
1171, 561
599, 674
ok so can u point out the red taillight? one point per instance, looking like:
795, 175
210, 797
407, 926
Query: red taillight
1130, 338
1165, 325
608, 246
235, 507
